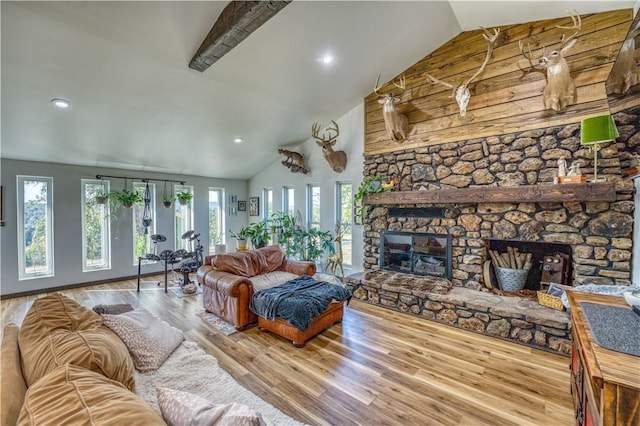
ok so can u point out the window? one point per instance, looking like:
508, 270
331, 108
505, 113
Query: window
142, 243
35, 227
344, 212
288, 198
313, 206
183, 217
96, 233
216, 218
267, 202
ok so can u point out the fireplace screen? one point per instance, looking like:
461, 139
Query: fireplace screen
413, 253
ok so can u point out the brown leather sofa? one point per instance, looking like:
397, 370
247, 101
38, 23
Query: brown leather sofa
229, 280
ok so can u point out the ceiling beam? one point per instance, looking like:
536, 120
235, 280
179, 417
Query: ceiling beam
236, 22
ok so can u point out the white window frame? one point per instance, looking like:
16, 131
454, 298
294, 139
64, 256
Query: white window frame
221, 216
187, 221
339, 185
310, 222
141, 186
288, 200
267, 204
105, 231
22, 255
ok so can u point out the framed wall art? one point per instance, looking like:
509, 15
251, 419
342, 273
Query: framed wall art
254, 206
233, 199
242, 206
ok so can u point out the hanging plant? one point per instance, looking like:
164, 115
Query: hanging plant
126, 198
167, 198
101, 197
184, 197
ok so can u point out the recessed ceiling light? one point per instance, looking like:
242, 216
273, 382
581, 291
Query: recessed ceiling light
237, 140
327, 59
61, 103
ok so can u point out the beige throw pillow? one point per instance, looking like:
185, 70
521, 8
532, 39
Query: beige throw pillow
150, 340
185, 409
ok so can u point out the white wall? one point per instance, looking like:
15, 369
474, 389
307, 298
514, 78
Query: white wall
68, 222
276, 175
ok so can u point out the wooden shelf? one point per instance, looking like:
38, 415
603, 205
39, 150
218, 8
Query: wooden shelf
604, 191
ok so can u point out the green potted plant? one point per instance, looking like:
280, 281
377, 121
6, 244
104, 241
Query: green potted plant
217, 241
370, 185
258, 234
126, 198
101, 197
184, 197
167, 201
241, 237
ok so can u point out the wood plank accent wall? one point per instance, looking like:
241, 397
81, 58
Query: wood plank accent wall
505, 97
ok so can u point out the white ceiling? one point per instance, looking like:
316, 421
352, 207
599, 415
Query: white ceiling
137, 105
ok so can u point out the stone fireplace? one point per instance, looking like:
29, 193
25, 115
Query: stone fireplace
594, 228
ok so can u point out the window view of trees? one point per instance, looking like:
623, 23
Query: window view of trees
345, 216
216, 218
313, 206
288, 200
35, 227
96, 236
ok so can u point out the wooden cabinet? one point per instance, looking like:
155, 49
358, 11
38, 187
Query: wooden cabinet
605, 385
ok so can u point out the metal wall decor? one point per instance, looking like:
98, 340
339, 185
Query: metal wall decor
146, 214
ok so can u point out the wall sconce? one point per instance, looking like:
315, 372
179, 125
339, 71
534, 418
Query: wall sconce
594, 131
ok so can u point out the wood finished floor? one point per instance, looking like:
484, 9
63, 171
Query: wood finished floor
378, 367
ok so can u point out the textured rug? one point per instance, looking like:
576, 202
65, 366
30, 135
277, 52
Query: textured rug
217, 322
190, 369
179, 292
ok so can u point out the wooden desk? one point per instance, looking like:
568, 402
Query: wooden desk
605, 384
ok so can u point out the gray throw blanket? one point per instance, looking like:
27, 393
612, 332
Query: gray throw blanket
297, 301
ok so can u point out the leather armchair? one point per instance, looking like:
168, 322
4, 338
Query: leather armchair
227, 285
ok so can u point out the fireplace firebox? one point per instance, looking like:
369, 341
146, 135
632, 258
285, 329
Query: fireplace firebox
416, 253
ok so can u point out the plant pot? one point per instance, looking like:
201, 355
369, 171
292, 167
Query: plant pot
167, 204
127, 204
241, 245
220, 248
101, 199
183, 202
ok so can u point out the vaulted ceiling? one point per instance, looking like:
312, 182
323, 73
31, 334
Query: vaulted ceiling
137, 105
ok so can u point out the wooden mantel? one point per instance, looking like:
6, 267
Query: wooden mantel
604, 191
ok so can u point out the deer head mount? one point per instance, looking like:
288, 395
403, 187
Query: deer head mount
396, 124
624, 73
462, 93
336, 159
560, 91
294, 161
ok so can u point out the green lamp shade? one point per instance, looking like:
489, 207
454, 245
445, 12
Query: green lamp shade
598, 130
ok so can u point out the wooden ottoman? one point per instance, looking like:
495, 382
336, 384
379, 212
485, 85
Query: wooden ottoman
332, 315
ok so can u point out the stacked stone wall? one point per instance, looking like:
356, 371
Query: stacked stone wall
599, 233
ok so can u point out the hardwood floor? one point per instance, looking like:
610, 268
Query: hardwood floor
377, 367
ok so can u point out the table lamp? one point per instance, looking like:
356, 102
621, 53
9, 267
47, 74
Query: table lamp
597, 130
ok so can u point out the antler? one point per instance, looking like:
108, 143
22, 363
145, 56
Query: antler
491, 39
444, 83
577, 26
400, 85
315, 129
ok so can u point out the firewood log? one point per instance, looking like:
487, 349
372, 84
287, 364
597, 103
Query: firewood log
527, 262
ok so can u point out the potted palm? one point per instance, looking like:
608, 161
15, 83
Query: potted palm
184, 197
241, 238
258, 234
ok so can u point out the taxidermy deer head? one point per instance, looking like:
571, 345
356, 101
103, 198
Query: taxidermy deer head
624, 73
336, 159
294, 161
396, 123
461, 92
561, 89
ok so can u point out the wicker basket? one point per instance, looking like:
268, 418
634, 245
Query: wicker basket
550, 301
